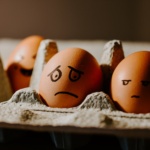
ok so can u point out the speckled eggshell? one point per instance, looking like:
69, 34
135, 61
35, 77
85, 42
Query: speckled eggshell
20, 63
130, 84
68, 77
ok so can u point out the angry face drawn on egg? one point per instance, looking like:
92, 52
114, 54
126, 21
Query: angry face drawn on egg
130, 84
69, 77
21, 62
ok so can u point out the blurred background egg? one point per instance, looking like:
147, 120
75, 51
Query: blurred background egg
20, 63
130, 84
68, 77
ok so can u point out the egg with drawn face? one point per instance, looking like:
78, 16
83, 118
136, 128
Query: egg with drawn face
68, 77
20, 63
130, 84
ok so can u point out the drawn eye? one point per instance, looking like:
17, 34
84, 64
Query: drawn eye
55, 74
125, 82
19, 58
74, 74
34, 56
145, 83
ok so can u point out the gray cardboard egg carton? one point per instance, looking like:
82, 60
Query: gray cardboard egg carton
96, 114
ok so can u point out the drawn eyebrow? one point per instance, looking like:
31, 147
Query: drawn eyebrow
54, 70
81, 72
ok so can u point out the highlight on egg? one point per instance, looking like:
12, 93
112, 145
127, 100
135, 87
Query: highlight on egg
68, 77
20, 63
130, 83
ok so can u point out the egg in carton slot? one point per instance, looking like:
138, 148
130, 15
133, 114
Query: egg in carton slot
95, 114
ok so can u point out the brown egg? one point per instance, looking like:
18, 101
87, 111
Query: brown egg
68, 77
130, 84
20, 63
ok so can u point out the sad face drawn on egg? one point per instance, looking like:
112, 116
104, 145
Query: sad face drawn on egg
20, 64
74, 76
130, 84
68, 77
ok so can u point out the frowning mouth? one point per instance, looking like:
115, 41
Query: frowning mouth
63, 92
26, 72
135, 96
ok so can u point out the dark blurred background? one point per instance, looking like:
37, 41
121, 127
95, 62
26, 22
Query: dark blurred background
78, 19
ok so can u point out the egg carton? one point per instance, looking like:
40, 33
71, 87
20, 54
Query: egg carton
97, 114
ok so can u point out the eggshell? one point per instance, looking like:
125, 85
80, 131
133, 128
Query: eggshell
130, 84
20, 63
68, 77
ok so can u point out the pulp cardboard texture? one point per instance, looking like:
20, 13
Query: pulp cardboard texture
95, 115
46, 50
